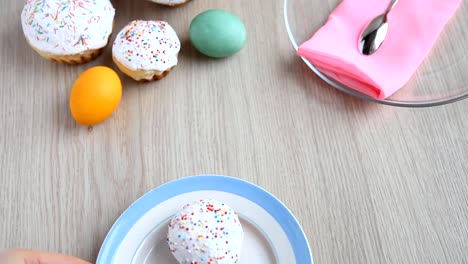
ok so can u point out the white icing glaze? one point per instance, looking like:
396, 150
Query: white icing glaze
169, 2
67, 27
206, 231
147, 45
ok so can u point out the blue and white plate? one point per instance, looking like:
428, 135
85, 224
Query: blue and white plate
272, 233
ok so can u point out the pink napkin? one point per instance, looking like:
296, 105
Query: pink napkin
414, 26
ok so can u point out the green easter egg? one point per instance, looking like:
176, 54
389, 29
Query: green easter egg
217, 33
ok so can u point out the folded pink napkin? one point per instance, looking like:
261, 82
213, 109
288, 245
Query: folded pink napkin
414, 26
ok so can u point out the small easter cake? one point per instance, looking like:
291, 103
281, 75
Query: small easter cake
146, 50
68, 31
206, 231
171, 3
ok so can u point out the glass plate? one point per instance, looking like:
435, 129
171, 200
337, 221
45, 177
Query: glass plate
441, 79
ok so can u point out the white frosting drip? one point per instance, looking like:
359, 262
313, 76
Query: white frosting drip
67, 27
206, 231
147, 45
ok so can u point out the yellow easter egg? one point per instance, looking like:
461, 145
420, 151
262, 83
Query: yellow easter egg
95, 95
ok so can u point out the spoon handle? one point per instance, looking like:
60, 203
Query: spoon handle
391, 6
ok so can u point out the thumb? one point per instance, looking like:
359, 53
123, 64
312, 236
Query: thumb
26, 256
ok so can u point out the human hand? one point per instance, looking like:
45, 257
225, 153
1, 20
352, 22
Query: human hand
36, 257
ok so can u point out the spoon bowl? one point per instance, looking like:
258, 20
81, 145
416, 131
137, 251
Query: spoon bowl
375, 32
373, 36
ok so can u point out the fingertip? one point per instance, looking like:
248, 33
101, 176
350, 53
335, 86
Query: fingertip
20, 256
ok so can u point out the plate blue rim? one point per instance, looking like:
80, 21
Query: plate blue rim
260, 196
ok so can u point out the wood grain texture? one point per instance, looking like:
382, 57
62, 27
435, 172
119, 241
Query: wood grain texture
369, 183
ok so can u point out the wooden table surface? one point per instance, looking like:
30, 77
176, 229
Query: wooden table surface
369, 183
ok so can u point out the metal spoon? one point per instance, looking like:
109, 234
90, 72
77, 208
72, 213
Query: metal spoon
375, 32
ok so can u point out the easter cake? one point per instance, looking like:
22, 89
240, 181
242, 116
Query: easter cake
206, 231
146, 50
68, 31
171, 3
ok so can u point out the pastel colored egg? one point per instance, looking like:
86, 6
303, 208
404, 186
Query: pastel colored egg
95, 95
217, 33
